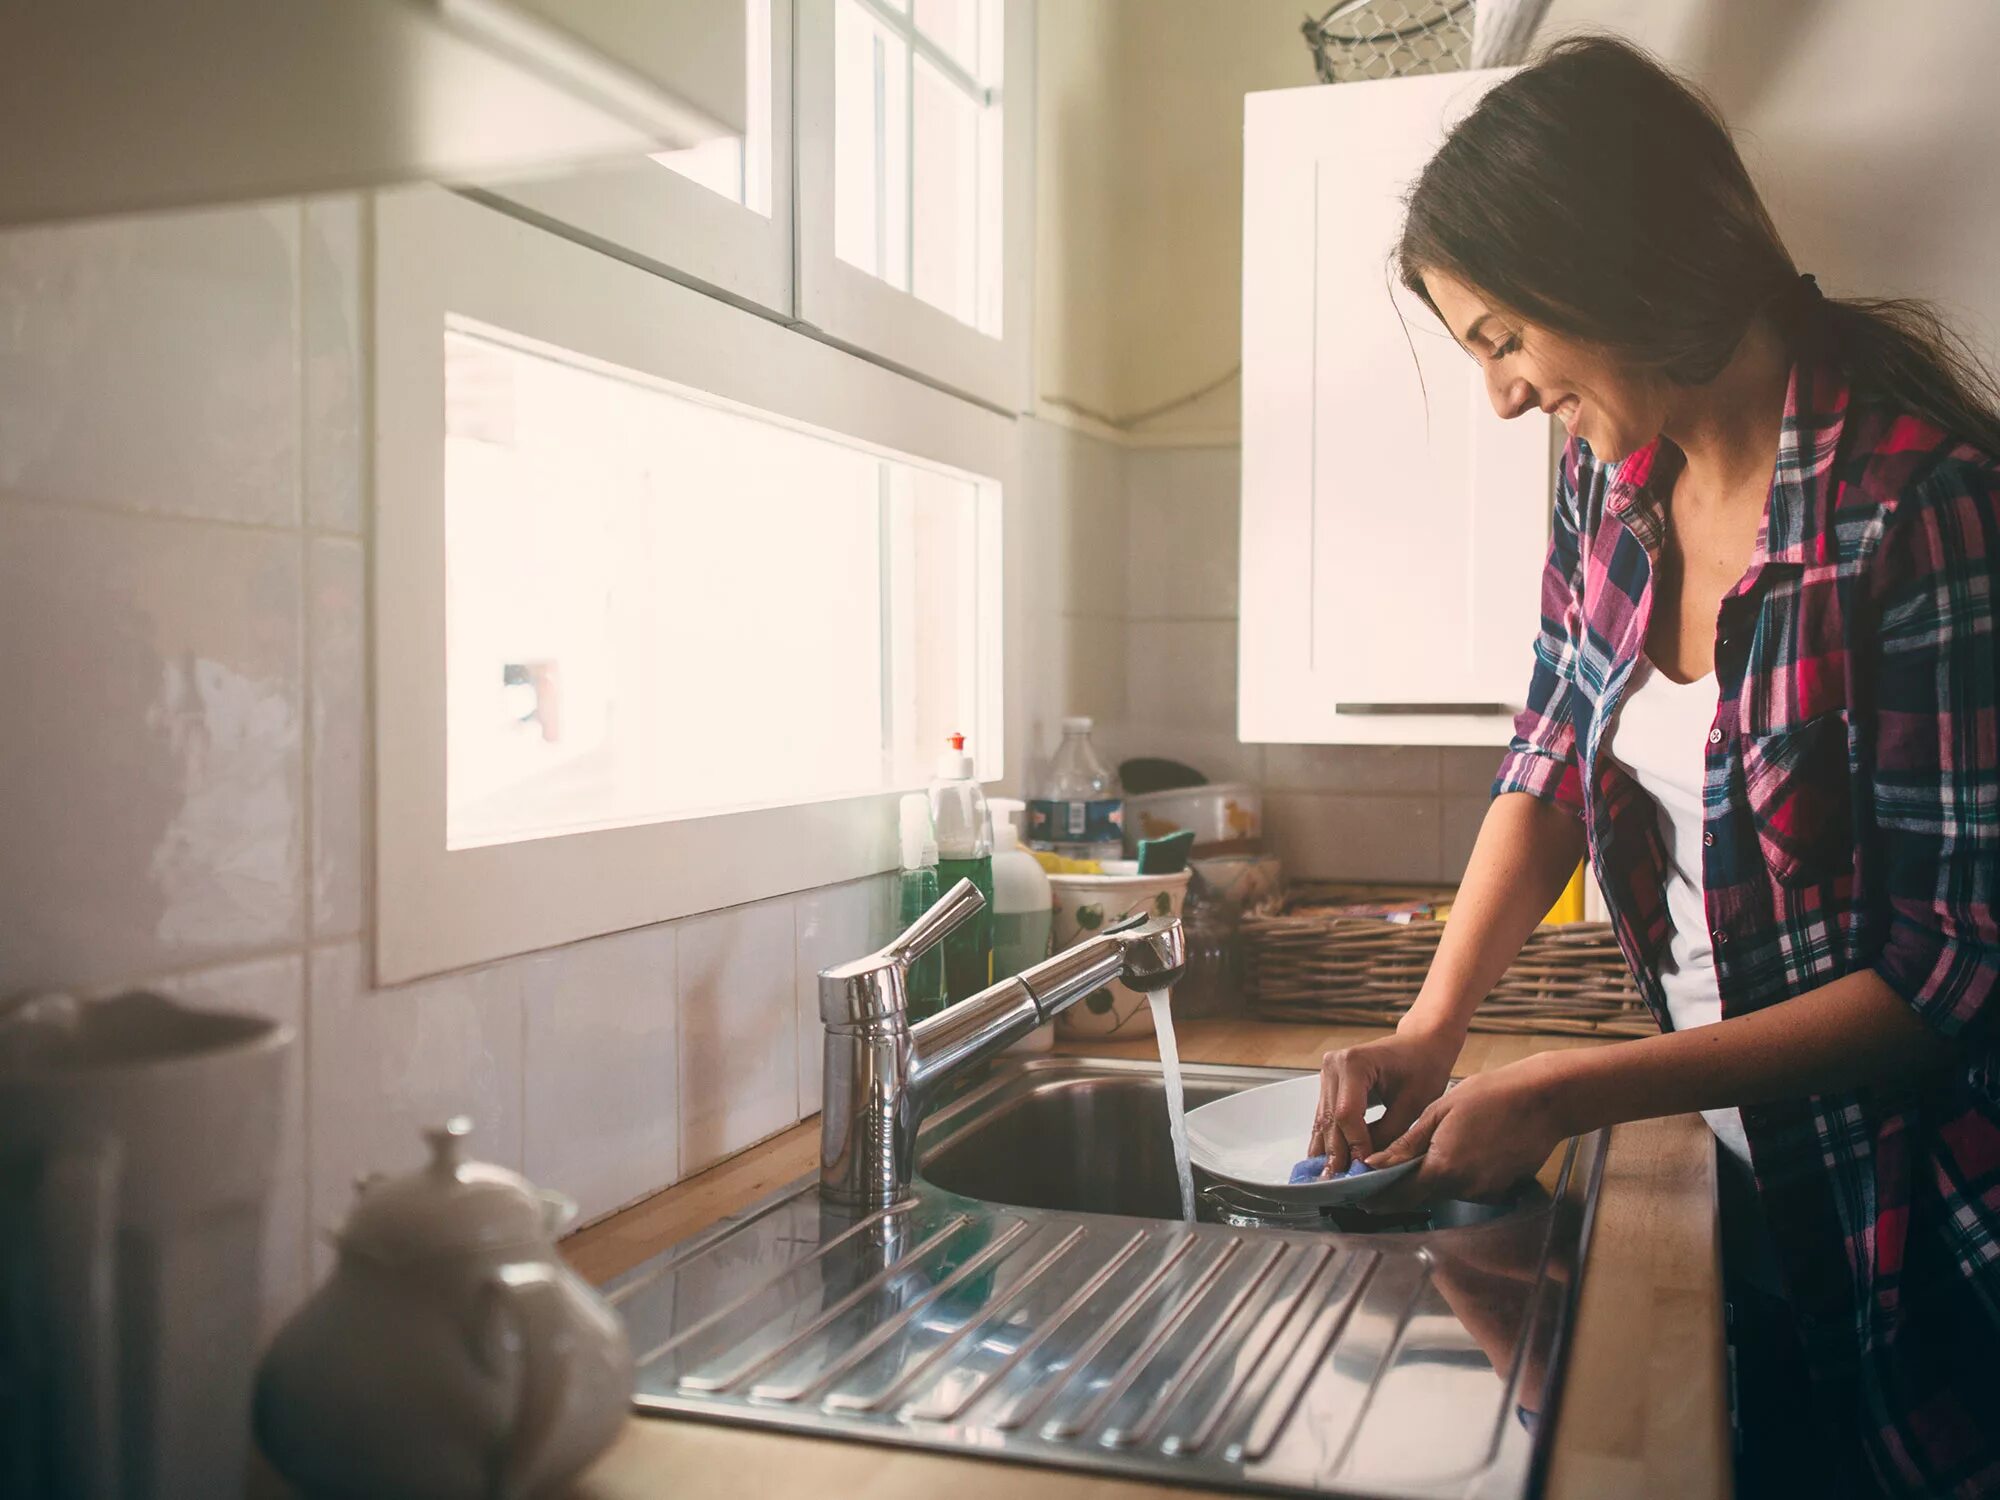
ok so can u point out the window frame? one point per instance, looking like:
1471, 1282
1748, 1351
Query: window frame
849, 306
440, 253
648, 214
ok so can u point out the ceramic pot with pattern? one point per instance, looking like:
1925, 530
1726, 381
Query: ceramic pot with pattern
1084, 906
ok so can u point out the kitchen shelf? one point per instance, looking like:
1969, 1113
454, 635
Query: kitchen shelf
113, 106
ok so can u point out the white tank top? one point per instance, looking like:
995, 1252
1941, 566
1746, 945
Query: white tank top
1661, 737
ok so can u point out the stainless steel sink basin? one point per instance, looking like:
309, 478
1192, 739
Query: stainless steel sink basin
1038, 1299
1017, 1142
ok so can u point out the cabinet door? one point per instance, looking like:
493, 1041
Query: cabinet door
1393, 525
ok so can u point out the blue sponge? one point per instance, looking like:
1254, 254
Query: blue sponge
1314, 1167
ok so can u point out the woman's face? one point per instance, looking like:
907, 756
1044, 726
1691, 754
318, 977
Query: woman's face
1530, 369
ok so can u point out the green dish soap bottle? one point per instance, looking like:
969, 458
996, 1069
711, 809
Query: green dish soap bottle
965, 852
917, 892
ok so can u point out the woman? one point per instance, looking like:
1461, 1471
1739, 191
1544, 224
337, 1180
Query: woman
1764, 701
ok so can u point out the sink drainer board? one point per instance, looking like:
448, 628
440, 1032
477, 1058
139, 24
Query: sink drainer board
1322, 1361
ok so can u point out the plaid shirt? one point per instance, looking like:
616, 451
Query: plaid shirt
1851, 821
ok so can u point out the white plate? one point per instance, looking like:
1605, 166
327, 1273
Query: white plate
1255, 1138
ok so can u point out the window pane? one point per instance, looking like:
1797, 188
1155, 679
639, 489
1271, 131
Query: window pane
871, 145
661, 607
918, 160
945, 249
739, 167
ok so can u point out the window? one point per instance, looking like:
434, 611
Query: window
881, 196
717, 216
660, 606
918, 162
671, 602
737, 169
914, 201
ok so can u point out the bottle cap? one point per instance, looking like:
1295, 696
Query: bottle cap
1077, 724
955, 764
918, 837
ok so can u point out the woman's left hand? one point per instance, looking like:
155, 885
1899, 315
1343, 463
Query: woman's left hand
1479, 1138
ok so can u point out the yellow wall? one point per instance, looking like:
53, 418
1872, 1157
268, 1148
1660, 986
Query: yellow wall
1873, 149
1139, 198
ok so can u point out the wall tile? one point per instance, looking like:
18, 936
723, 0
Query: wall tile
1094, 683
151, 364
1351, 768
835, 924
330, 321
273, 987
341, 817
601, 1068
1065, 633
1182, 673
386, 1065
1216, 753
739, 1044
1468, 770
1388, 839
1076, 488
151, 767
1459, 824
1183, 510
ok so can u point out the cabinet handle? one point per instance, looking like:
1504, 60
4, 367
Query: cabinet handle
1422, 708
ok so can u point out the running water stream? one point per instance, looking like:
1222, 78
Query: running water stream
1170, 1071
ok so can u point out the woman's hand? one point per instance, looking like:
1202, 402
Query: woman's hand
1404, 1072
1481, 1138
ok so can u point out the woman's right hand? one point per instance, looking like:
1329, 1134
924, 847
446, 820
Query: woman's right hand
1404, 1072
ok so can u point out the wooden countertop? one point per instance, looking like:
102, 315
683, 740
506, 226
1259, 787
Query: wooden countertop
1644, 1409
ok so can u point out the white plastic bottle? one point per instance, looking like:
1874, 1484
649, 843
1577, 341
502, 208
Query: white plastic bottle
1023, 909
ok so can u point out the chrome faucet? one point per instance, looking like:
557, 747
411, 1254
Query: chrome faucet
882, 1071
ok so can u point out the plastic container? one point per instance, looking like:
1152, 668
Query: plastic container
964, 832
1023, 909
1079, 810
1222, 813
917, 892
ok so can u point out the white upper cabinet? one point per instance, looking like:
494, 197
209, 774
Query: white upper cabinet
1394, 527
113, 106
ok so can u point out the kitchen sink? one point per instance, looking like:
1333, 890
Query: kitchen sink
1017, 1141
1039, 1299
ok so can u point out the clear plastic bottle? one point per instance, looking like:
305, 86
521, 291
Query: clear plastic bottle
1079, 810
965, 852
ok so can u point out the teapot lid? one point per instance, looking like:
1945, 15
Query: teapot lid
448, 1206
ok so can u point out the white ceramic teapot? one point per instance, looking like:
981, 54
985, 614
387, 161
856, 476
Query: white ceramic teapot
452, 1353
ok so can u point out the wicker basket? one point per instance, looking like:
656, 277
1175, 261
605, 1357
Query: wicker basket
1307, 963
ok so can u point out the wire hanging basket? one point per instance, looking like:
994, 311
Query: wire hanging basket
1364, 39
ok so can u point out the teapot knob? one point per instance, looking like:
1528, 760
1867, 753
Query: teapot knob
447, 1143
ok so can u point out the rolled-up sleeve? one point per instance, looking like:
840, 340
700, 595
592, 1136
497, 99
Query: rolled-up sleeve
1936, 744
1541, 758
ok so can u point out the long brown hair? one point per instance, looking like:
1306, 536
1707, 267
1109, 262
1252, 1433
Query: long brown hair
1598, 195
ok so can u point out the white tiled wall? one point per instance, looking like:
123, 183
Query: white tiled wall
1336, 812
184, 775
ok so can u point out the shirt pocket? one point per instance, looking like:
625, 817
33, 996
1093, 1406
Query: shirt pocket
1795, 781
